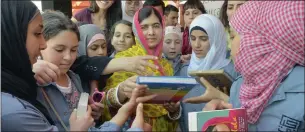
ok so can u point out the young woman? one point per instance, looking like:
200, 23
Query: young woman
172, 45
270, 59
129, 8
101, 13
62, 96
148, 29
122, 37
226, 12
208, 40
191, 9
21, 111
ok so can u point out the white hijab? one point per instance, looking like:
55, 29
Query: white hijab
216, 57
125, 16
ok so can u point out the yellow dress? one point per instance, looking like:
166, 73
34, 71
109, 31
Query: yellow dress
154, 114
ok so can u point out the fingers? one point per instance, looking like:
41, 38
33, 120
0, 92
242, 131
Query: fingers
225, 105
196, 100
89, 110
52, 74
99, 105
217, 104
146, 98
54, 68
139, 120
147, 64
94, 108
39, 80
149, 57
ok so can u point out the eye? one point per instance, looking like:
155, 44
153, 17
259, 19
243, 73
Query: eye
128, 36
59, 50
157, 26
193, 38
93, 48
144, 27
73, 50
37, 34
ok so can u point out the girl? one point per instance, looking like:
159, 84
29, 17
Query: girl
226, 12
208, 42
62, 96
172, 45
129, 8
101, 13
270, 59
191, 9
21, 111
122, 37
148, 27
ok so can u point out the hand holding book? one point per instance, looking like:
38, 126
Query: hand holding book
210, 94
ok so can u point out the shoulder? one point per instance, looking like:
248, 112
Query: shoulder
82, 13
23, 115
230, 69
135, 50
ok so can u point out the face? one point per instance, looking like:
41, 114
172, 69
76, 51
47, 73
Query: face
97, 48
171, 19
190, 15
160, 9
200, 43
61, 50
235, 43
104, 4
172, 45
152, 30
122, 38
233, 6
35, 40
131, 6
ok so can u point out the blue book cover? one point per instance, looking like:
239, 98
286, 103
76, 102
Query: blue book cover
167, 88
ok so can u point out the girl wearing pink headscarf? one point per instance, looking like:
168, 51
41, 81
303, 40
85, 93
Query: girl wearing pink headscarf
268, 51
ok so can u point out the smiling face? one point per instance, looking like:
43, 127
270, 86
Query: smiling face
97, 48
35, 40
152, 30
233, 6
190, 14
61, 50
122, 38
172, 45
200, 43
131, 6
104, 4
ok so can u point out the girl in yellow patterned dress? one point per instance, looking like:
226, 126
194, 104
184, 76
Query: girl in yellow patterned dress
148, 30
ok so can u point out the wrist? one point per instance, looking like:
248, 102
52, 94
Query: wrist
224, 97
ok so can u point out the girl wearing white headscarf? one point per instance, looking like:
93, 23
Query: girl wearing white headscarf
129, 8
208, 40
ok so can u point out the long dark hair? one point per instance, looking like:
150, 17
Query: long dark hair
223, 14
55, 22
114, 12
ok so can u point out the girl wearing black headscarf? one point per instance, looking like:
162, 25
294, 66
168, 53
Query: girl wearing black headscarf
21, 42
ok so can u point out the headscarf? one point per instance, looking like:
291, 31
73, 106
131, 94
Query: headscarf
88, 34
272, 42
17, 77
125, 16
216, 56
136, 28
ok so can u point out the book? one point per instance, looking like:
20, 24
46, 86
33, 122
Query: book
217, 78
168, 89
228, 120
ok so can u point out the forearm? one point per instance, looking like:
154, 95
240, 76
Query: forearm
115, 65
120, 118
224, 97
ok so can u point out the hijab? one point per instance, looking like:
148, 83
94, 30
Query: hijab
272, 43
136, 28
89, 33
17, 77
125, 16
216, 56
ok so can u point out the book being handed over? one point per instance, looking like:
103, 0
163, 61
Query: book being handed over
217, 78
167, 88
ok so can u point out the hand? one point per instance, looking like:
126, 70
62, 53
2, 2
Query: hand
126, 88
172, 107
139, 120
45, 72
128, 108
210, 93
217, 104
138, 64
97, 110
82, 123
185, 58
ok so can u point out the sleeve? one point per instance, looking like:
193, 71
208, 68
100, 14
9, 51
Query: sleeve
26, 120
135, 130
107, 127
91, 67
78, 15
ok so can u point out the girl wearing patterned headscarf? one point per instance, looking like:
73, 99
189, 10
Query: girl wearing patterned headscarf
148, 29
